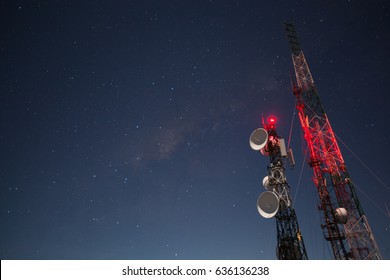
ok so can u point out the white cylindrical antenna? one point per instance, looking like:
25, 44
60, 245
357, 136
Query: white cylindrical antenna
283, 151
291, 157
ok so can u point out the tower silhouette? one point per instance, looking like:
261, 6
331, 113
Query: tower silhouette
344, 223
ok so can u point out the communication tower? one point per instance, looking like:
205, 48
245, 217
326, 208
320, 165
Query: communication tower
276, 201
344, 223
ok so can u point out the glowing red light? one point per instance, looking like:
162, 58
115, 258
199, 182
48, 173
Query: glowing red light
271, 120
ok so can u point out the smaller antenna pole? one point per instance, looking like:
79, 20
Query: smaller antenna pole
276, 201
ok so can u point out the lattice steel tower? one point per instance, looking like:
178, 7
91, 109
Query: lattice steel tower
344, 223
276, 201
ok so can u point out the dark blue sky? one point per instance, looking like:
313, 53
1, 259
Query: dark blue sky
124, 125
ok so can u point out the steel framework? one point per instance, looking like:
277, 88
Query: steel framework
344, 223
290, 244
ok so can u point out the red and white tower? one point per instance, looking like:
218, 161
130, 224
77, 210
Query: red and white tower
344, 223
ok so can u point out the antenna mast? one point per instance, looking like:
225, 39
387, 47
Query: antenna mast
276, 201
344, 223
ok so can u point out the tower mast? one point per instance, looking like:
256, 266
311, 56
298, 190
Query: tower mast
276, 201
344, 223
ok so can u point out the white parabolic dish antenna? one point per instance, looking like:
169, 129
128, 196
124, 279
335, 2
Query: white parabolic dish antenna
341, 215
266, 184
268, 204
258, 139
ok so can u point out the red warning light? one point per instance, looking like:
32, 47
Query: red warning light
271, 120
271, 123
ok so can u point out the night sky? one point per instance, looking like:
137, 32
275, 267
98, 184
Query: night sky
124, 125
